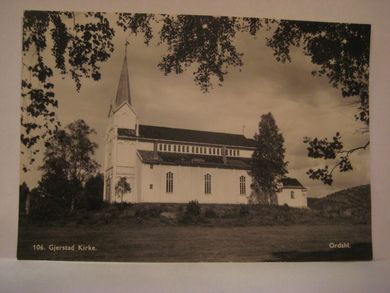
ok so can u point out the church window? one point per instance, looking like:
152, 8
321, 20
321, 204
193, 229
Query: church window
188, 149
169, 148
192, 149
213, 151
205, 150
179, 148
242, 185
292, 194
160, 147
209, 151
234, 152
165, 147
207, 184
169, 182
230, 152
196, 150
217, 151
174, 148
238, 153
201, 150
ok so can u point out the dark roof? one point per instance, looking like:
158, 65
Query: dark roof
148, 157
291, 182
197, 136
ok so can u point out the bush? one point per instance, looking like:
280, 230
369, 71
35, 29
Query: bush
46, 208
210, 213
193, 208
244, 211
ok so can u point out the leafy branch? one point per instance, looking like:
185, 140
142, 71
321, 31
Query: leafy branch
330, 150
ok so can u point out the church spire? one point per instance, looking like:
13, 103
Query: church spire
123, 91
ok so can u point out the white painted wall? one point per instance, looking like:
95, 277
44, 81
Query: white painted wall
299, 200
125, 117
189, 184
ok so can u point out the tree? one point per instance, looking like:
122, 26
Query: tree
68, 163
341, 51
24, 199
122, 187
204, 44
94, 192
267, 165
75, 48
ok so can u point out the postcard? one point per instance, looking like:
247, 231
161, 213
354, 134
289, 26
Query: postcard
187, 138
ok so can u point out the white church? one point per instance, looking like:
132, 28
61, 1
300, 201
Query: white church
173, 165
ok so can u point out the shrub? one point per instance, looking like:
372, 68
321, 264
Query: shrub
244, 210
193, 208
210, 213
46, 208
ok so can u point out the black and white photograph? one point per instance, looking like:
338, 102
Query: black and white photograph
193, 138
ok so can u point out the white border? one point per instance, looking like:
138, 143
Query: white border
40, 276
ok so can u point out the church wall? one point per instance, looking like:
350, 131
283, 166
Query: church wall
125, 117
126, 167
189, 184
246, 153
299, 200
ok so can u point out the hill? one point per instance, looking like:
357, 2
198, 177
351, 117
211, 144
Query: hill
353, 202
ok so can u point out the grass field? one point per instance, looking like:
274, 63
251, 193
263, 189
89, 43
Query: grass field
156, 242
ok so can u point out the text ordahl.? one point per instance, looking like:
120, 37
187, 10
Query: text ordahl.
339, 245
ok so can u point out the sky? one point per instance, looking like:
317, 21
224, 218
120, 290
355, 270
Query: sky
302, 105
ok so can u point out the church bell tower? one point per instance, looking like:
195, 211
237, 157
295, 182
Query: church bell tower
120, 153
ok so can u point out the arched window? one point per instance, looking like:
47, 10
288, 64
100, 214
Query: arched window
242, 185
292, 194
169, 182
160, 146
207, 184
188, 149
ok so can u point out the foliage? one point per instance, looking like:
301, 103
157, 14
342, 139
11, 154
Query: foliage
46, 207
341, 51
24, 192
193, 208
267, 165
122, 187
93, 193
210, 213
244, 210
78, 49
68, 162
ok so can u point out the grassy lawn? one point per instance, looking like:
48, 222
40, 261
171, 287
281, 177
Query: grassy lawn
157, 242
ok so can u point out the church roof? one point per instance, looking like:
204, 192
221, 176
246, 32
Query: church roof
194, 160
123, 91
196, 136
291, 182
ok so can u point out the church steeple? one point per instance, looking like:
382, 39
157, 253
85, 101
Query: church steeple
123, 91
